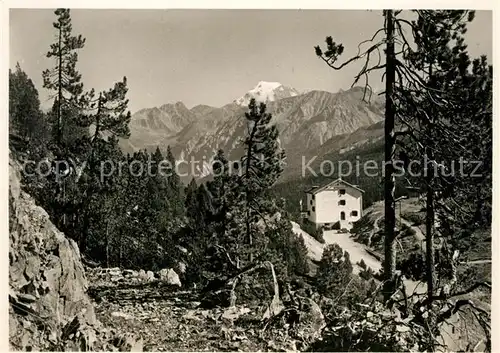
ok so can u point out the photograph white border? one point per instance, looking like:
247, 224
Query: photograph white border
241, 4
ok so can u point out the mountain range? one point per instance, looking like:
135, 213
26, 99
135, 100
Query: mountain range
310, 123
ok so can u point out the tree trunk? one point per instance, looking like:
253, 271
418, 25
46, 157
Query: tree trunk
120, 250
429, 214
84, 235
107, 243
63, 201
429, 242
97, 125
59, 91
248, 199
59, 132
249, 233
389, 181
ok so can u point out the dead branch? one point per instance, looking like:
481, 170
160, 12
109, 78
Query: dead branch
371, 40
330, 61
464, 292
456, 307
275, 306
401, 198
223, 250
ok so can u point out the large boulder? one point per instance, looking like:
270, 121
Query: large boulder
169, 276
142, 275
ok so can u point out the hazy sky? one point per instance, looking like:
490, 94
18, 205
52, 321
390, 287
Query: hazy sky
205, 56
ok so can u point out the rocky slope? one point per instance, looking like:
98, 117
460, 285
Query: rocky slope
169, 118
47, 279
176, 320
305, 121
151, 126
49, 308
53, 307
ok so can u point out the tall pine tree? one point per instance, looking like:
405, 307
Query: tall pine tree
26, 120
261, 166
109, 118
64, 79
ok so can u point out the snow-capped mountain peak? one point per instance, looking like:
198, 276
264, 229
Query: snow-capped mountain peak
264, 86
267, 92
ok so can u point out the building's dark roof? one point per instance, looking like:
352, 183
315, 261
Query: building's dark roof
316, 189
311, 189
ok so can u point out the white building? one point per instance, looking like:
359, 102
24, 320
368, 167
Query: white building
335, 202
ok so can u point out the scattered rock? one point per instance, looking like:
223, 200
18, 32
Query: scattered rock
191, 315
402, 328
27, 298
170, 276
113, 272
194, 304
123, 315
233, 313
130, 273
128, 343
142, 275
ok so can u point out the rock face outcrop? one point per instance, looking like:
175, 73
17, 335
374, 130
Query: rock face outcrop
48, 300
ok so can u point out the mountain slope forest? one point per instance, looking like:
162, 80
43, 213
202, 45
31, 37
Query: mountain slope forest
94, 184
305, 123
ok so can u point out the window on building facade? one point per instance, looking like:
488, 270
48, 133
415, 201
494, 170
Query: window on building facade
342, 191
342, 216
314, 209
342, 202
354, 213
